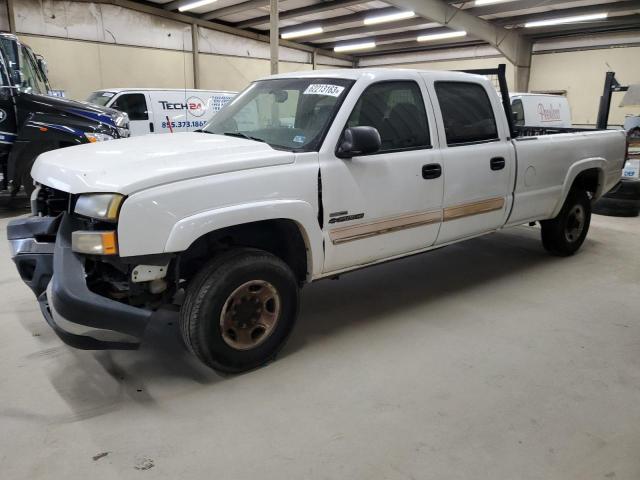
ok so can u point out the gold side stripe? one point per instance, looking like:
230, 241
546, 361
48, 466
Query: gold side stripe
475, 208
357, 232
366, 230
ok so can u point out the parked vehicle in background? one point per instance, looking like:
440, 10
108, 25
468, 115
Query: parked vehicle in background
540, 110
32, 122
153, 110
624, 199
303, 176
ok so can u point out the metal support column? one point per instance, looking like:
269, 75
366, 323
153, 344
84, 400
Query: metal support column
274, 39
11, 17
195, 49
314, 54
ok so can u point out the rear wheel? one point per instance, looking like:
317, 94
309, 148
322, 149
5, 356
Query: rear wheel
564, 235
239, 310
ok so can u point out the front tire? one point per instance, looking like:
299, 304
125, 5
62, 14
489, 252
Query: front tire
239, 310
565, 234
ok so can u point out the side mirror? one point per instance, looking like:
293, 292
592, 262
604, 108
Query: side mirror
359, 141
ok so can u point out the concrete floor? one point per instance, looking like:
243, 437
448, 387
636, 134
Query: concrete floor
485, 360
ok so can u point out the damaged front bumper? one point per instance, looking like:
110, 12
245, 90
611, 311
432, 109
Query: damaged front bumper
80, 317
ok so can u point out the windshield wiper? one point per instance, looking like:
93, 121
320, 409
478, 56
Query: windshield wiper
243, 135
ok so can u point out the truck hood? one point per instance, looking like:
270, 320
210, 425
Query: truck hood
133, 164
96, 113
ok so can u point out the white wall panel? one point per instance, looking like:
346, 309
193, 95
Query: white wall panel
100, 23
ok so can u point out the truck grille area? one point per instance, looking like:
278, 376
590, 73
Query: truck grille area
50, 202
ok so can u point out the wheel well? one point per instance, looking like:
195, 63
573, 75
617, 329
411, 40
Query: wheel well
588, 180
281, 237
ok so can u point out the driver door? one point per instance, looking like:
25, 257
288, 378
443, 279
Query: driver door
385, 204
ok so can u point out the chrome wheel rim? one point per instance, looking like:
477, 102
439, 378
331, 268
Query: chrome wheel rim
575, 223
250, 314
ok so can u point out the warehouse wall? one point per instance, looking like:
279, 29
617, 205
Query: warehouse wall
581, 74
81, 67
90, 46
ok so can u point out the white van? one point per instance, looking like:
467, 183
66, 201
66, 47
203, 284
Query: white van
154, 110
540, 110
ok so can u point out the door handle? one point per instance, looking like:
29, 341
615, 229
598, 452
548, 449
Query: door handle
497, 163
431, 170
151, 128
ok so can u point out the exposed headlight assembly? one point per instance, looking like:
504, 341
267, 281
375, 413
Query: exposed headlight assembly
94, 137
101, 206
94, 242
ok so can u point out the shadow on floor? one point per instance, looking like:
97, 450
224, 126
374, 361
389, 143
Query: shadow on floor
94, 383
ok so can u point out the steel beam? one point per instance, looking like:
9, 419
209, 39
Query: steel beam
407, 47
407, 37
274, 35
368, 30
627, 5
511, 44
302, 11
237, 8
11, 17
508, 7
196, 55
356, 17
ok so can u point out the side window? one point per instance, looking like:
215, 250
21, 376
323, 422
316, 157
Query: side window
31, 78
133, 104
518, 112
466, 112
396, 110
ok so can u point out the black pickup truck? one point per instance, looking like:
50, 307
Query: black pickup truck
33, 122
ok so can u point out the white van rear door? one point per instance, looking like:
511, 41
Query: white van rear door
134, 104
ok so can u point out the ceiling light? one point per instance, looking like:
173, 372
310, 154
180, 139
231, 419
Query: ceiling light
354, 46
441, 36
562, 20
196, 4
391, 17
302, 33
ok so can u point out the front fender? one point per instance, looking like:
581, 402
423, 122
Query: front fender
189, 229
576, 169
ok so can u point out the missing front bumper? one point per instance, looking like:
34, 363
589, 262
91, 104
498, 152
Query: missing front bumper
80, 317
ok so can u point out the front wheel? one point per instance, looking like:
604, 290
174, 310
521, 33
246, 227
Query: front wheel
239, 310
564, 234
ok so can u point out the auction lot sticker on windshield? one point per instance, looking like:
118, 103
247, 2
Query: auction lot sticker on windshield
324, 89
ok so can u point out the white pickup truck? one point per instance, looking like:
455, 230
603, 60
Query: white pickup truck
302, 176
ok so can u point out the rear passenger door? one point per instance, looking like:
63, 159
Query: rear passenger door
388, 203
477, 157
135, 104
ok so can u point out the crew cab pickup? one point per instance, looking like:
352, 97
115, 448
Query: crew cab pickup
300, 177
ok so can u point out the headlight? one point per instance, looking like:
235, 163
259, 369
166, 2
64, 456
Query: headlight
94, 243
97, 137
102, 206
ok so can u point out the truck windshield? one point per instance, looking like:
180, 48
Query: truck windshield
287, 113
100, 98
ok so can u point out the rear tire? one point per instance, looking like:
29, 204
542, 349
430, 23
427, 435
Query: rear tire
239, 310
565, 234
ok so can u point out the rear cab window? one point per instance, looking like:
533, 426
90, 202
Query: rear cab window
467, 113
